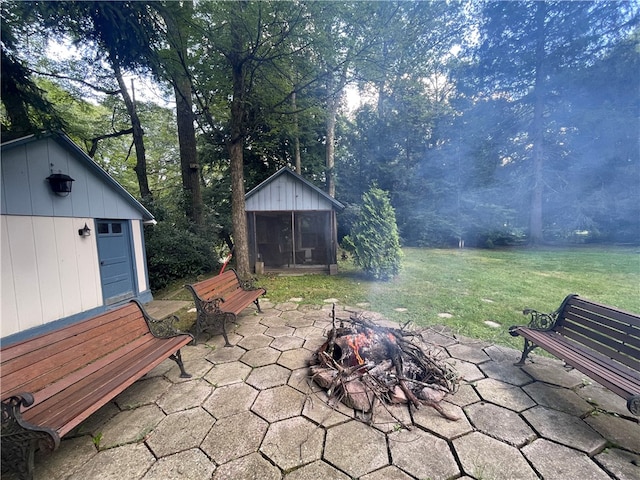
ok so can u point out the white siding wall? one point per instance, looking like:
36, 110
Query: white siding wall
48, 271
140, 258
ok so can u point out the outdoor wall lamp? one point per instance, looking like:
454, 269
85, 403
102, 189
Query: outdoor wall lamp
84, 231
60, 184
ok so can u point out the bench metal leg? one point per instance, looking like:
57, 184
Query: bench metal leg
528, 347
20, 440
633, 404
257, 302
177, 357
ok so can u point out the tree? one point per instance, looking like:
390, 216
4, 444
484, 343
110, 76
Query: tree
245, 63
524, 46
374, 239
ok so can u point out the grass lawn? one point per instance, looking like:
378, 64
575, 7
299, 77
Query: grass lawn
474, 286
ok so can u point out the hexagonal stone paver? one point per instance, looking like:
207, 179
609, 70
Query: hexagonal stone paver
288, 342
504, 394
234, 437
187, 465
248, 330
225, 354
316, 409
558, 398
135, 459
316, 470
280, 331
565, 429
422, 455
313, 343
273, 321
278, 403
557, 462
624, 465
468, 353
251, 467
230, 400
228, 373
555, 374
293, 442
429, 419
294, 359
255, 341
388, 418
180, 431
467, 371
260, 357
142, 392
505, 372
622, 432
268, 376
355, 448
501, 423
465, 395
387, 473
603, 398
66, 459
485, 457
183, 396
130, 426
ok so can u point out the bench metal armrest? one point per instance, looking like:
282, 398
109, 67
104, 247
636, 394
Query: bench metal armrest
540, 320
212, 306
249, 285
18, 435
162, 327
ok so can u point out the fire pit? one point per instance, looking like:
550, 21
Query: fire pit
362, 363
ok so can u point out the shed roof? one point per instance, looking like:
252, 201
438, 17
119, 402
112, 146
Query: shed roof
87, 161
306, 184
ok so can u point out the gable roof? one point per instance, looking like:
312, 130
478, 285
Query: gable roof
287, 171
87, 162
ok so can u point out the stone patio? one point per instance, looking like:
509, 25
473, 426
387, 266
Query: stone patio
251, 412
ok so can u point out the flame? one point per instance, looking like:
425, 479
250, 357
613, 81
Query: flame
356, 342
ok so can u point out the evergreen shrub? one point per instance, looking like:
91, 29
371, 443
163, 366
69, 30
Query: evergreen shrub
374, 240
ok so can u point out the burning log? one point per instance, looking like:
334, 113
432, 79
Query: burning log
361, 363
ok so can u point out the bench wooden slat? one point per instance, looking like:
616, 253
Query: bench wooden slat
600, 341
79, 350
621, 331
74, 371
618, 381
41, 341
227, 287
78, 401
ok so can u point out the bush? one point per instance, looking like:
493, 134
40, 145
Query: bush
174, 253
374, 239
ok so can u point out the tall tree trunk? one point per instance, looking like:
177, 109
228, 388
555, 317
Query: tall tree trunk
535, 214
296, 135
177, 70
235, 146
330, 153
138, 141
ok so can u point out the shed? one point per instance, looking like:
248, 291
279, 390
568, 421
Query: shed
292, 225
66, 255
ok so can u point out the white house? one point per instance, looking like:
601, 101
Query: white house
65, 255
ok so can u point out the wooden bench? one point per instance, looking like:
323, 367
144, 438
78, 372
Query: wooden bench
222, 298
54, 381
600, 341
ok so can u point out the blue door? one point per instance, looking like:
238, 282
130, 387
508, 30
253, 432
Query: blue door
116, 263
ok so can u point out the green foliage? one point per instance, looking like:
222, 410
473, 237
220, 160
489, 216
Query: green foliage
374, 239
174, 253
